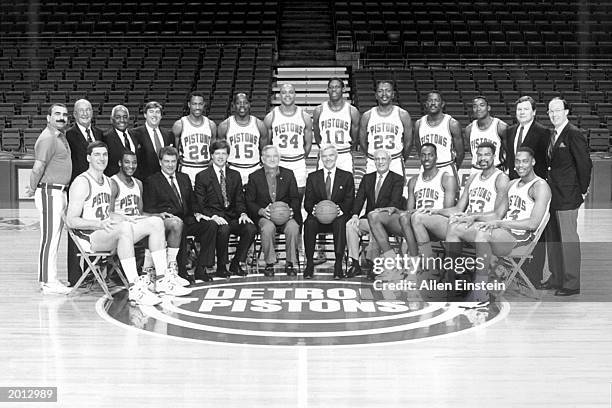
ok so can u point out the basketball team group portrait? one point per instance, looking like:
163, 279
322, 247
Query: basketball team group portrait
384, 203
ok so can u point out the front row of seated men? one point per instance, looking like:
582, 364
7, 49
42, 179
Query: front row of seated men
109, 214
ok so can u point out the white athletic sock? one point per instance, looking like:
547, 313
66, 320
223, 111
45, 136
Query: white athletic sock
148, 261
159, 260
129, 268
172, 253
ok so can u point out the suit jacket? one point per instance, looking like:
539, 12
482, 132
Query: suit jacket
258, 196
343, 190
78, 148
569, 171
158, 196
116, 148
536, 138
148, 162
390, 194
209, 196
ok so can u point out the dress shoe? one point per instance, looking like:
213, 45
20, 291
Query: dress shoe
236, 269
269, 271
290, 269
354, 270
222, 273
309, 272
367, 266
547, 285
202, 274
567, 292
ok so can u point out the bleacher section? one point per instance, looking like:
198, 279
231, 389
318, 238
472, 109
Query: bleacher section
126, 73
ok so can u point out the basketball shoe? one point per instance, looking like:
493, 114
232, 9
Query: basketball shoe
173, 272
139, 292
55, 288
169, 286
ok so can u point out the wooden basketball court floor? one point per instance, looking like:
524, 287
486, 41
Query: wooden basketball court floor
547, 353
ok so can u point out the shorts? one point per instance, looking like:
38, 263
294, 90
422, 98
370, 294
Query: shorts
192, 171
299, 170
245, 171
522, 238
84, 238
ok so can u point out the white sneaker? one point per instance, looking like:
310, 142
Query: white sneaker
55, 288
172, 271
169, 286
391, 275
139, 292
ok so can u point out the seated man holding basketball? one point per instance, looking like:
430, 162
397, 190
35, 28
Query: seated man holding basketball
266, 187
219, 195
322, 186
432, 188
382, 188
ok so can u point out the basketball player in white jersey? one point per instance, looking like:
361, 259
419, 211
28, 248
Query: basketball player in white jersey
126, 199
337, 122
443, 131
98, 229
246, 135
386, 126
485, 128
431, 188
528, 200
290, 130
483, 197
193, 134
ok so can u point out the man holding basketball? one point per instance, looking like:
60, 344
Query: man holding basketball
334, 184
266, 186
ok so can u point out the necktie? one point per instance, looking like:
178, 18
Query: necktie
126, 141
520, 138
328, 185
223, 188
156, 139
377, 189
551, 145
173, 184
89, 139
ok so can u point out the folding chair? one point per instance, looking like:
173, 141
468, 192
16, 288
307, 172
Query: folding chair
517, 258
96, 263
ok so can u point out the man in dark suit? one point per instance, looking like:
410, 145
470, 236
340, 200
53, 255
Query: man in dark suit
267, 185
151, 139
118, 139
79, 136
382, 188
169, 194
530, 133
328, 183
569, 175
219, 194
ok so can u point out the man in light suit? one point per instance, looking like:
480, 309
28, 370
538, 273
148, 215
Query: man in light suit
168, 193
382, 188
530, 133
151, 139
569, 175
118, 139
220, 197
328, 183
79, 136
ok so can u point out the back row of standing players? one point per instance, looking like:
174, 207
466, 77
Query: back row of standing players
385, 126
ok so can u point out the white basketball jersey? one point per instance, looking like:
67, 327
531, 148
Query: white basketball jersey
194, 142
440, 136
96, 205
128, 198
385, 132
482, 193
477, 136
429, 194
520, 204
335, 127
288, 134
244, 143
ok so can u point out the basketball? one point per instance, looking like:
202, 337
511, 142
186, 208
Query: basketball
279, 212
326, 212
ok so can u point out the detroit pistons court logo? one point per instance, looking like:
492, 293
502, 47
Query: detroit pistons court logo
287, 312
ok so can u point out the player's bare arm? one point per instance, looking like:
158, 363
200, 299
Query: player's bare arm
363, 132
456, 133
